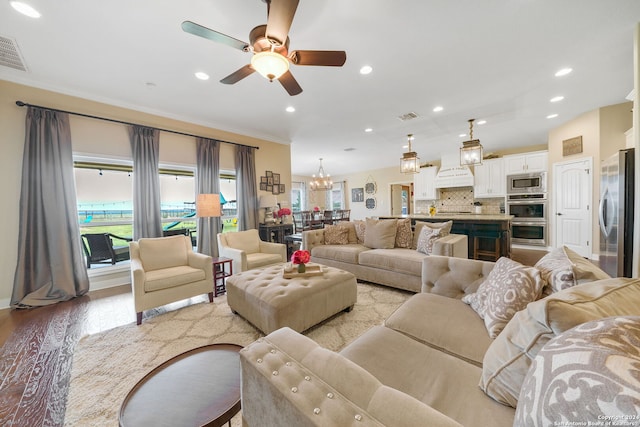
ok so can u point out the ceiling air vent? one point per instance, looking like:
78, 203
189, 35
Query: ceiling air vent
10, 55
408, 116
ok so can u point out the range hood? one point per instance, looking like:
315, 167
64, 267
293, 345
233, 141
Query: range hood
451, 174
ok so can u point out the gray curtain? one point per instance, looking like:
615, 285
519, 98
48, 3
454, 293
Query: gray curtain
246, 191
50, 265
208, 182
145, 149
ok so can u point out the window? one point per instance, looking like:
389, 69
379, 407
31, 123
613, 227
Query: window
298, 196
335, 197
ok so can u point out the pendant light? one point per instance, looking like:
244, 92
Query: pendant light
322, 181
410, 162
471, 151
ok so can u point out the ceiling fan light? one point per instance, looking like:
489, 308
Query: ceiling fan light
270, 65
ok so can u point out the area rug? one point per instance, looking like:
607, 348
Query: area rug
108, 364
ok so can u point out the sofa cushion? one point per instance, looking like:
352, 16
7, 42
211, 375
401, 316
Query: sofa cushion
589, 372
446, 383
404, 235
361, 227
428, 237
398, 260
508, 289
343, 253
162, 252
336, 235
446, 324
380, 233
563, 268
509, 357
247, 241
171, 277
445, 226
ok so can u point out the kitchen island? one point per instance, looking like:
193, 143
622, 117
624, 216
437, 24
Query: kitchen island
489, 235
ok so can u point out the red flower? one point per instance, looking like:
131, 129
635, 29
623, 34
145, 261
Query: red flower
283, 212
300, 257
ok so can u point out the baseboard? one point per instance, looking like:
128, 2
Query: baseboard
5, 303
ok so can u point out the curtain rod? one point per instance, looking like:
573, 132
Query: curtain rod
24, 104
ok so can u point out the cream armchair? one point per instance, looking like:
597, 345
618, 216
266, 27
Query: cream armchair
248, 252
165, 269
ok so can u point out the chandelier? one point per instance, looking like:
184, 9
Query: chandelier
410, 162
322, 181
471, 151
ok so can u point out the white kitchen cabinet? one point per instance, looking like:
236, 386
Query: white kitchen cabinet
526, 162
489, 179
424, 187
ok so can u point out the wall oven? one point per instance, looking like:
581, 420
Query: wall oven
529, 223
528, 183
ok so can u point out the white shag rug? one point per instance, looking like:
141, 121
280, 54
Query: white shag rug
108, 364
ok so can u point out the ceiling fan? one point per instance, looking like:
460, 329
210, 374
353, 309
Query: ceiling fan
270, 46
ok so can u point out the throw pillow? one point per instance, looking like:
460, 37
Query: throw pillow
381, 233
509, 357
563, 268
427, 238
336, 235
508, 289
360, 226
404, 235
445, 226
583, 375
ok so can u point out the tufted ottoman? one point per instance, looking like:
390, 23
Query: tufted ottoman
269, 301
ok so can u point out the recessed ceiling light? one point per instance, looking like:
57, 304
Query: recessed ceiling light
481, 122
290, 109
556, 99
462, 135
552, 116
368, 130
405, 146
438, 109
349, 149
25, 9
202, 76
366, 69
563, 72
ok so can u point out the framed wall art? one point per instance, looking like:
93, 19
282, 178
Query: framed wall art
357, 194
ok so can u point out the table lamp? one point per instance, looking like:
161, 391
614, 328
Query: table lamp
268, 202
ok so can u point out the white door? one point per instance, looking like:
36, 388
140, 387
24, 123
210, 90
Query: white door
573, 198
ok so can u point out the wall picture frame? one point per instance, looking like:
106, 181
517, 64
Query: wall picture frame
268, 174
276, 179
270, 180
282, 190
263, 179
357, 195
269, 188
263, 186
275, 189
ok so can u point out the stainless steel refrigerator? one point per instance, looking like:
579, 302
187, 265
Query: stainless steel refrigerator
616, 214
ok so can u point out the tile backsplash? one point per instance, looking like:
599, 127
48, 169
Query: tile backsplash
460, 200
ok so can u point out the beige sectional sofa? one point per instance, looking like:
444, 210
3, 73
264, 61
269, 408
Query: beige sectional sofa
368, 257
433, 363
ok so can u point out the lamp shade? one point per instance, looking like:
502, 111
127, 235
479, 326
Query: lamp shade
208, 205
270, 65
268, 201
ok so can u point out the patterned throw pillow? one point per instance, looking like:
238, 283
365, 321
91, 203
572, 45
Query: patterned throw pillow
586, 374
404, 235
563, 268
445, 226
361, 226
508, 289
428, 237
336, 235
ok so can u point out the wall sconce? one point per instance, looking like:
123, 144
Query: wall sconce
410, 162
471, 151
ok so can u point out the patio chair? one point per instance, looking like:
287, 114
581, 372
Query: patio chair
99, 249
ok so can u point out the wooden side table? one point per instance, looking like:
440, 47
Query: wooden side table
220, 273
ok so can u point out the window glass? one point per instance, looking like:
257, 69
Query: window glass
298, 196
335, 197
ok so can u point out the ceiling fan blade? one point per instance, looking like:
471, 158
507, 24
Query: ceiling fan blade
280, 17
238, 75
290, 84
330, 58
207, 33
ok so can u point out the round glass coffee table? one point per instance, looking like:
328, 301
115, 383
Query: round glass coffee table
200, 387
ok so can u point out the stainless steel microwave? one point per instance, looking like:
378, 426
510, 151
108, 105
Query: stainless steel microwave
527, 183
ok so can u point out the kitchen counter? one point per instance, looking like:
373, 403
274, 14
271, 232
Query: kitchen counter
489, 235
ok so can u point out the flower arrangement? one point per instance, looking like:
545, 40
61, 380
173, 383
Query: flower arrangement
316, 209
301, 257
432, 209
283, 212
